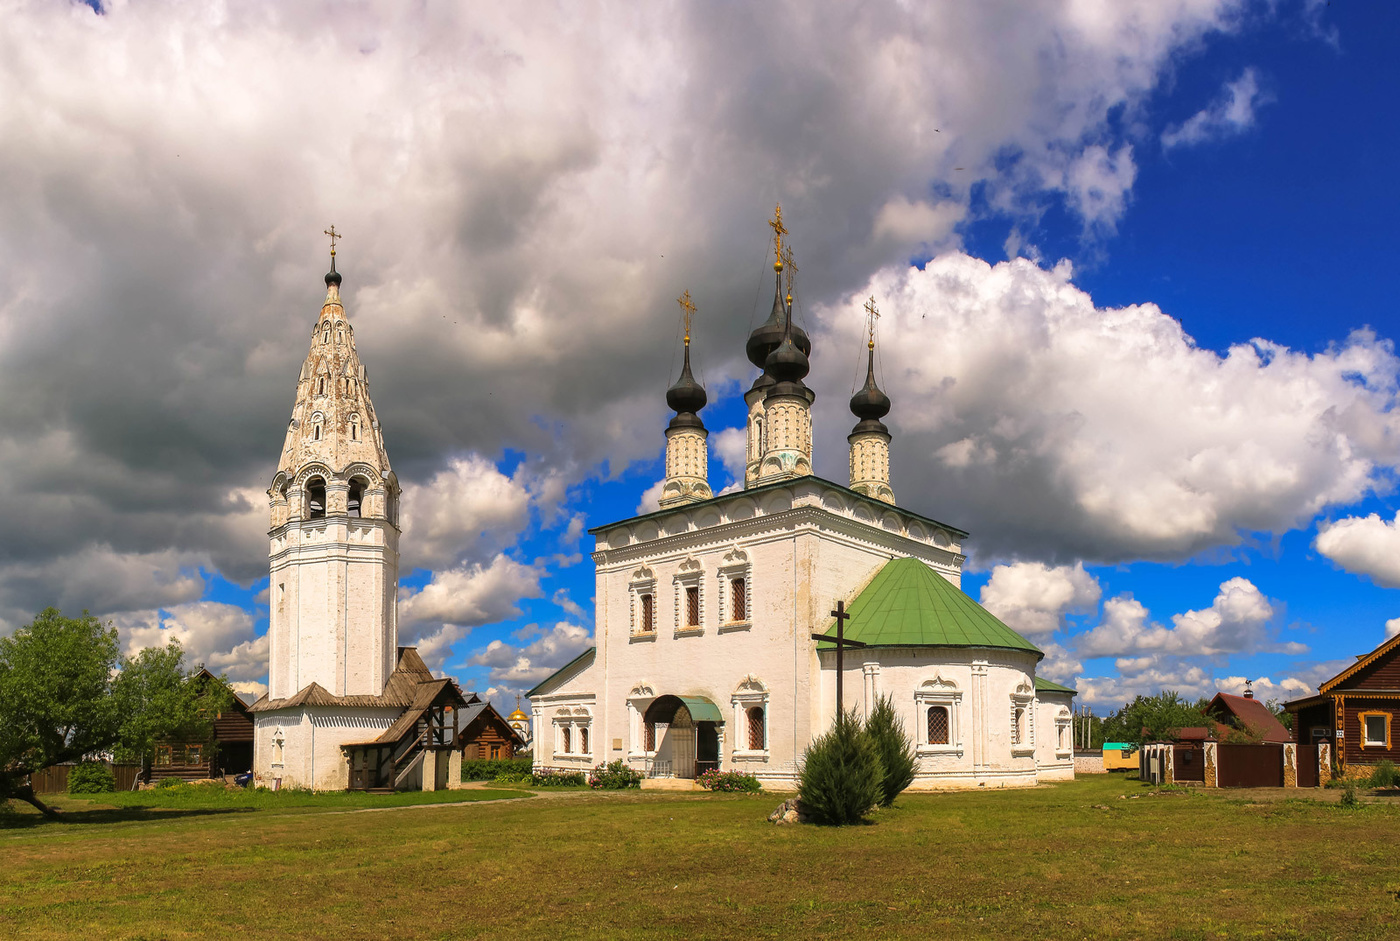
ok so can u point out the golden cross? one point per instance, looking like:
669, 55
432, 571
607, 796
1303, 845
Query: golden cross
779, 230
334, 235
687, 313
872, 314
789, 269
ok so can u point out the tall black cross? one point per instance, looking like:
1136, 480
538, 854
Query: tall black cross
841, 644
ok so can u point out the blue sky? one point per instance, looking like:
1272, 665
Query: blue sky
1077, 219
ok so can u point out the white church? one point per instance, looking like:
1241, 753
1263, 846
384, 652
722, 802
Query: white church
706, 610
346, 707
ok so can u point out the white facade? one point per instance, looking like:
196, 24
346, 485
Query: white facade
798, 547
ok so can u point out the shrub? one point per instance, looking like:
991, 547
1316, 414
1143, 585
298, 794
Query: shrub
486, 769
841, 778
730, 781
557, 777
614, 776
896, 752
510, 777
91, 777
1383, 774
1349, 795
170, 782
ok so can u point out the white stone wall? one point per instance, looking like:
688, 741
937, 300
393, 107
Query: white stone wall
787, 432
1055, 747
753, 456
332, 617
687, 467
310, 754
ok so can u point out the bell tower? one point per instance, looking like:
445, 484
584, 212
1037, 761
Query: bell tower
334, 527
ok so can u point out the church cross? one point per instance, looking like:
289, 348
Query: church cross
779, 230
334, 235
687, 313
841, 616
789, 269
872, 314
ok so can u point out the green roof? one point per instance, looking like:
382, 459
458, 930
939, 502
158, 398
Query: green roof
1045, 686
908, 604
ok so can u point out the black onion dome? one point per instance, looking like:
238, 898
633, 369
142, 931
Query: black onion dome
333, 276
870, 404
768, 335
686, 397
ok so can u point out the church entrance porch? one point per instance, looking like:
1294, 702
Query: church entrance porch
683, 735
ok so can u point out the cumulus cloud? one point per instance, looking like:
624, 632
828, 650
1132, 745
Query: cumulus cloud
1392, 627
528, 664
1056, 430
1234, 623
1034, 598
731, 447
219, 636
1265, 689
1231, 113
1363, 545
1059, 665
650, 500
457, 600
504, 176
467, 507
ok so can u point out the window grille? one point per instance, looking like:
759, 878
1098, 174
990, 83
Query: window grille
938, 725
568, 741
756, 737
648, 614
650, 736
1018, 717
583, 741
692, 606
738, 605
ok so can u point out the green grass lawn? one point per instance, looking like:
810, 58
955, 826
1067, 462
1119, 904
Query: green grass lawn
1042, 863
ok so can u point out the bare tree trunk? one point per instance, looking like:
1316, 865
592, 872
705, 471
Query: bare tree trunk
25, 793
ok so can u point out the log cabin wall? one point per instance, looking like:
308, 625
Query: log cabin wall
1354, 749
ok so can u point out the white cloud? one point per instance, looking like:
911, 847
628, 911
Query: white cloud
1098, 183
219, 636
1232, 113
650, 500
731, 447
1034, 598
1363, 545
533, 662
1392, 627
467, 507
1234, 623
455, 601
1265, 689
1059, 665
1054, 429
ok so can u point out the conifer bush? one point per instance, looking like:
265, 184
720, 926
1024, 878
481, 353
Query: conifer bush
91, 777
1383, 774
841, 778
897, 757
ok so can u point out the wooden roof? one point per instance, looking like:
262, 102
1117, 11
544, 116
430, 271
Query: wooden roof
1361, 663
400, 692
1252, 714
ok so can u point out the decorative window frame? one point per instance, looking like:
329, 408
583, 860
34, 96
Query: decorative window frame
643, 582
638, 701
1366, 741
577, 719
691, 574
1023, 698
750, 692
735, 564
938, 692
1063, 733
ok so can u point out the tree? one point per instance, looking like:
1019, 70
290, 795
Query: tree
158, 698
1154, 718
1284, 717
840, 778
892, 745
55, 697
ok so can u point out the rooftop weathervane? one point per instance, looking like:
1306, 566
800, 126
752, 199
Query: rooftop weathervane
687, 313
779, 230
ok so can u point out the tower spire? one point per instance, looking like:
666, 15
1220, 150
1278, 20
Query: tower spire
687, 455
870, 439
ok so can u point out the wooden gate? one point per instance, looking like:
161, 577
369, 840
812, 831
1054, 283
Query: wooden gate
1307, 765
681, 735
1250, 765
1188, 763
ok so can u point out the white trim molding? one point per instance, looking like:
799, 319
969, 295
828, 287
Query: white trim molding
750, 692
938, 693
734, 564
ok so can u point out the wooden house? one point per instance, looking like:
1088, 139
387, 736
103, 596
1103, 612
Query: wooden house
484, 733
228, 750
1249, 716
1354, 712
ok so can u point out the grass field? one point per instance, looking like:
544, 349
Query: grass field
1068, 861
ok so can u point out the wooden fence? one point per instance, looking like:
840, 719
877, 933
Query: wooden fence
54, 780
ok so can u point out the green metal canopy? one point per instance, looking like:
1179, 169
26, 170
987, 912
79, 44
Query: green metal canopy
701, 709
1045, 686
908, 604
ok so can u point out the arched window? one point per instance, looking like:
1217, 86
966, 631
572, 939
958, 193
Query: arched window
650, 737
1018, 725
391, 505
738, 600
321, 386
757, 736
355, 499
316, 498
568, 740
938, 725
354, 427
583, 740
